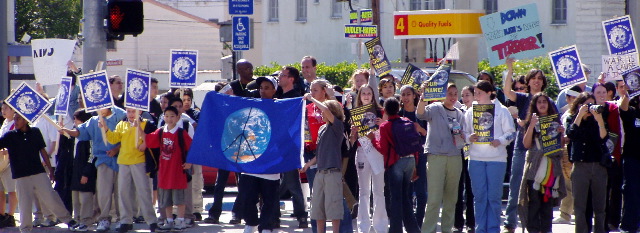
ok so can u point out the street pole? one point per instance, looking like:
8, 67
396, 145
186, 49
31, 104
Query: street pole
94, 47
4, 55
375, 10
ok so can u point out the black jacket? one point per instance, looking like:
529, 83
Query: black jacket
586, 144
83, 167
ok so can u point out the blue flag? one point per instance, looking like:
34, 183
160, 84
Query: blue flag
28, 103
248, 135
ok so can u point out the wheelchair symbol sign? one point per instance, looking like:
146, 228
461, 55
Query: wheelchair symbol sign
241, 33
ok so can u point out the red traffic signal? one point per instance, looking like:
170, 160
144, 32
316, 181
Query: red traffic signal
125, 17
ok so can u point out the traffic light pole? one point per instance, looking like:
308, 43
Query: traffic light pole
4, 56
94, 47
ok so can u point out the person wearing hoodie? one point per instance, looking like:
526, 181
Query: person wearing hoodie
444, 164
488, 162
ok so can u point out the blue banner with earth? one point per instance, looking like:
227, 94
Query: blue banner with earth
259, 136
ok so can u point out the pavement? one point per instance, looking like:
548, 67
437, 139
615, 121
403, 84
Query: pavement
288, 224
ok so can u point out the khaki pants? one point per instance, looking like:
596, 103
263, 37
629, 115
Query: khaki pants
443, 174
42, 213
134, 178
198, 185
83, 207
566, 205
38, 186
107, 192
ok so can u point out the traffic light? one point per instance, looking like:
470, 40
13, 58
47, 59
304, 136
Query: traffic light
125, 17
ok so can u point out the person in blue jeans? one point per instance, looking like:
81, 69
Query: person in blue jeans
401, 170
536, 83
488, 161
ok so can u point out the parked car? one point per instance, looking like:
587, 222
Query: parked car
210, 174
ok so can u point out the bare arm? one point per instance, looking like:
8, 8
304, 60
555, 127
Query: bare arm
508, 81
326, 113
309, 164
45, 158
71, 132
624, 101
527, 141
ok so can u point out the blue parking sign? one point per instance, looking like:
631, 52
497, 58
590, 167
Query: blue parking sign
241, 35
241, 7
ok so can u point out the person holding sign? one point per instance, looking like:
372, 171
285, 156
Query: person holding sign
26, 146
444, 164
488, 161
588, 153
536, 82
370, 180
544, 186
132, 171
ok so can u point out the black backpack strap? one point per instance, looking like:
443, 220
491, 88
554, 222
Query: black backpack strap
181, 144
185, 125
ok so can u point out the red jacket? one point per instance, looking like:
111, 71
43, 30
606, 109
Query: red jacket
386, 146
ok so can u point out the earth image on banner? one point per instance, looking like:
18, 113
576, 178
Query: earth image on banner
246, 135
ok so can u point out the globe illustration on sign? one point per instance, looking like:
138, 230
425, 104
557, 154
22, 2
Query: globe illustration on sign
136, 89
183, 67
93, 91
27, 104
566, 67
246, 135
618, 37
486, 120
419, 77
440, 77
61, 98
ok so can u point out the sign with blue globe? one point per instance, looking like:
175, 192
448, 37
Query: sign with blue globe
96, 91
62, 98
28, 103
246, 135
137, 90
184, 68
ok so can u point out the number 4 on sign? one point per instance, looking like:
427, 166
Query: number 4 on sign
400, 22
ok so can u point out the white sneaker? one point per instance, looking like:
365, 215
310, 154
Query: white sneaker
167, 225
103, 226
250, 229
266, 231
179, 224
37, 222
188, 222
560, 220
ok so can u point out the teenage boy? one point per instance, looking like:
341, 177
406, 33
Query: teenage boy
7, 185
132, 175
105, 155
25, 146
174, 143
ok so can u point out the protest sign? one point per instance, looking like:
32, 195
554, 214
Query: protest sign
549, 135
184, 68
567, 67
614, 65
96, 92
618, 33
27, 102
414, 76
437, 85
366, 16
62, 98
483, 122
50, 58
632, 79
513, 33
364, 117
378, 57
353, 16
138, 84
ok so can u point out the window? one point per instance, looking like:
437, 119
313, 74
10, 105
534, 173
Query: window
301, 10
415, 5
490, 6
559, 12
336, 9
273, 11
434, 4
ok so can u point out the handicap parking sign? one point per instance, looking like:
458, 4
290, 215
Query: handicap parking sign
241, 33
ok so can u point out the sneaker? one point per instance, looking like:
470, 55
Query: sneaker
302, 223
80, 227
47, 223
198, 217
103, 226
72, 224
471, 230
250, 229
267, 231
235, 220
167, 226
457, 230
179, 224
507, 229
36, 222
138, 219
125, 227
2, 221
212, 220
189, 222
10, 221
153, 227
560, 220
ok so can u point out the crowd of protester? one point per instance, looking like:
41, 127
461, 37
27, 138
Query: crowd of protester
115, 165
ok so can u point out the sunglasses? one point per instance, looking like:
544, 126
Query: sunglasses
520, 89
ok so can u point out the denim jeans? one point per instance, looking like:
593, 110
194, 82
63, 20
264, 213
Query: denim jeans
631, 194
517, 168
420, 188
399, 184
218, 193
486, 182
291, 181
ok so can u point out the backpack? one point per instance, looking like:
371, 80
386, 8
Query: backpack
185, 125
406, 138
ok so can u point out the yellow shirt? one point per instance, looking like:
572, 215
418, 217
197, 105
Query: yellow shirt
125, 135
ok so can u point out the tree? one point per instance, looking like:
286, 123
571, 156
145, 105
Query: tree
48, 18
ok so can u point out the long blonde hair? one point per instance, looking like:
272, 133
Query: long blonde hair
357, 72
323, 84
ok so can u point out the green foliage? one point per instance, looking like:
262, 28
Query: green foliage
522, 67
337, 74
48, 18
